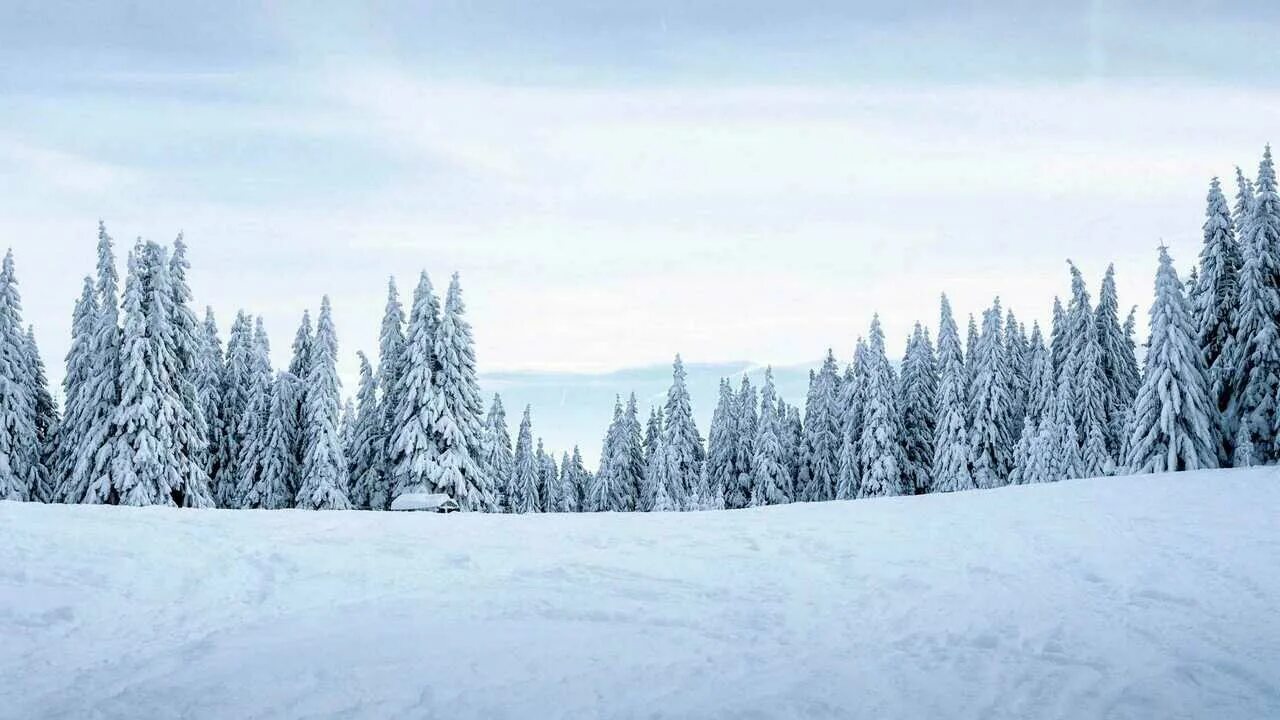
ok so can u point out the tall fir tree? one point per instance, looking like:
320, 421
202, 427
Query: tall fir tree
547, 485
414, 451
822, 427
1120, 366
721, 440
1040, 377
523, 493
768, 474
1016, 352
1217, 294
94, 466
324, 466
300, 364
499, 459
22, 474
78, 408
880, 445
681, 441
737, 493
990, 447
391, 360
951, 470
1173, 425
252, 458
208, 380
918, 390
237, 389
369, 489
191, 426
458, 425
852, 402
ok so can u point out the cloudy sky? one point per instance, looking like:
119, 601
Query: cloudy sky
739, 181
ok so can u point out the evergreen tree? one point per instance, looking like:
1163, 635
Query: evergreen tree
277, 468
458, 427
567, 495
1059, 339
918, 389
208, 380
630, 458
76, 389
95, 466
989, 444
951, 440
548, 484
1217, 293
1120, 367
46, 422
737, 492
581, 481
369, 488
1242, 212
324, 466
1055, 453
1023, 452
415, 454
971, 354
880, 445
681, 441
603, 494
768, 474
852, 402
499, 459
822, 429
721, 441
1017, 357
793, 442
22, 475
1173, 424
652, 432
191, 427
523, 493
1255, 353
237, 390
391, 359
300, 365
1040, 378
250, 492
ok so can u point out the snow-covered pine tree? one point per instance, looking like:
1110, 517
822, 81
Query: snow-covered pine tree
1216, 295
78, 412
568, 493
300, 367
237, 388
721, 441
253, 425
1056, 449
1040, 378
1172, 427
1255, 345
277, 469
737, 493
368, 486
548, 486
94, 465
951, 470
681, 441
971, 353
990, 449
768, 474
191, 426
1017, 357
918, 389
847, 473
1120, 367
652, 431
1023, 451
391, 359
792, 447
145, 464
852, 399
880, 445
324, 467
415, 453
655, 480
47, 422
822, 431
346, 433
602, 493
21, 472
1059, 339
1242, 212
631, 454
499, 459
523, 493
208, 381
458, 424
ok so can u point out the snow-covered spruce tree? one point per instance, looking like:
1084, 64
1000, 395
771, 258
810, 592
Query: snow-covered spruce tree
918, 390
277, 468
652, 432
1242, 211
792, 447
568, 493
737, 492
602, 493
300, 367
191, 427
346, 434
208, 381
655, 481
145, 467
21, 471
880, 445
47, 422
253, 423
77, 416
1056, 450
414, 451
1216, 294
391, 359
1090, 406
237, 388
368, 486
852, 399
951, 439
1255, 347
848, 476
324, 467
498, 458
1016, 352
94, 465
971, 353
582, 481
547, 484
1120, 367
1059, 339
768, 474
822, 429
681, 441
459, 427
1173, 421
1040, 378
630, 456
721, 441
523, 493
1022, 451
989, 446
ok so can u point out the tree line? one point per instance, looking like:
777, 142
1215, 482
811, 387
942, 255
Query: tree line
157, 411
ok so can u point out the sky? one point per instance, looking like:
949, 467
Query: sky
745, 182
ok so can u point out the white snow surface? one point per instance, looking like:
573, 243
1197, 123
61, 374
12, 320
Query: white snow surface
1138, 597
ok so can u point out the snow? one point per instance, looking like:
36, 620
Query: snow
423, 501
1137, 597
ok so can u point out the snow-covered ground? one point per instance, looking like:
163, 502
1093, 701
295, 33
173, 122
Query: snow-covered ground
1143, 597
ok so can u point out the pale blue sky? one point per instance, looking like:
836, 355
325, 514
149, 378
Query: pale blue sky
738, 181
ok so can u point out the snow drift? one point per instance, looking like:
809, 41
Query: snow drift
1138, 597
